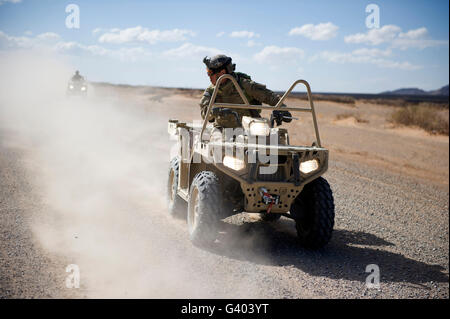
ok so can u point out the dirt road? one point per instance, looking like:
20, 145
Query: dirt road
83, 182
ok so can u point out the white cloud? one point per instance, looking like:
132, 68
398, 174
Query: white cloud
141, 34
9, 1
321, 31
191, 51
397, 65
365, 56
252, 43
417, 38
220, 34
277, 55
386, 33
244, 34
52, 42
97, 30
414, 34
391, 34
24, 42
48, 36
123, 54
374, 53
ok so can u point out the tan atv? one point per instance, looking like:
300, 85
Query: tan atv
77, 88
220, 174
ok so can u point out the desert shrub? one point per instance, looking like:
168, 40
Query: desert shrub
332, 98
390, 102
356, 116
404, 103
430, 118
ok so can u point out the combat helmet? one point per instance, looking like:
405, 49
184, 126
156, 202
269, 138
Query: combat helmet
219, 62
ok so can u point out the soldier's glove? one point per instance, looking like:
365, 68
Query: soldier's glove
217, 111
226, 113
281, 116
287, 116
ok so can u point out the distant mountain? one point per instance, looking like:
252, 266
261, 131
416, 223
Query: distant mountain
415, 91
407, 91
442, 91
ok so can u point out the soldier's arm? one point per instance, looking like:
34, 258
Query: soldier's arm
261, 93
204, 103
264, 95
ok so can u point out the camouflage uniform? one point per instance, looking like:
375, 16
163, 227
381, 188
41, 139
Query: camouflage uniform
77, 77
255, 93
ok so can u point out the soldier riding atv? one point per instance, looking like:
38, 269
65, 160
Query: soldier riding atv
256, 93
241, 162
77, 85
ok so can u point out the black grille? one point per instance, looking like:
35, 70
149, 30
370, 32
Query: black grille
278, 176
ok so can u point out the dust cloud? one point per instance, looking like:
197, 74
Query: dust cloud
100, 168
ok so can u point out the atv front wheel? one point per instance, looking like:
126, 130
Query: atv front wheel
174, 202
313, 212
270, 217
204, 208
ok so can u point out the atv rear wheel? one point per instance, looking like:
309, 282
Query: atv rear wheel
175, 204
204, 208
313, 212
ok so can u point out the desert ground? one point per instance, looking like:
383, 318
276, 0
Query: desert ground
83, 181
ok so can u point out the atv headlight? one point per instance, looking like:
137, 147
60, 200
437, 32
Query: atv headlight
233, 163
83, 88
309, 166
259, 128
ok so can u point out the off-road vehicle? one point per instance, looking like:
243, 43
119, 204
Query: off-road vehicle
215, 182
77, 88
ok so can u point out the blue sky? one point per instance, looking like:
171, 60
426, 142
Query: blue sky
276, 42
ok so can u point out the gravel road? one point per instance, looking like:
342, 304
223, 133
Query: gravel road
83, 183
